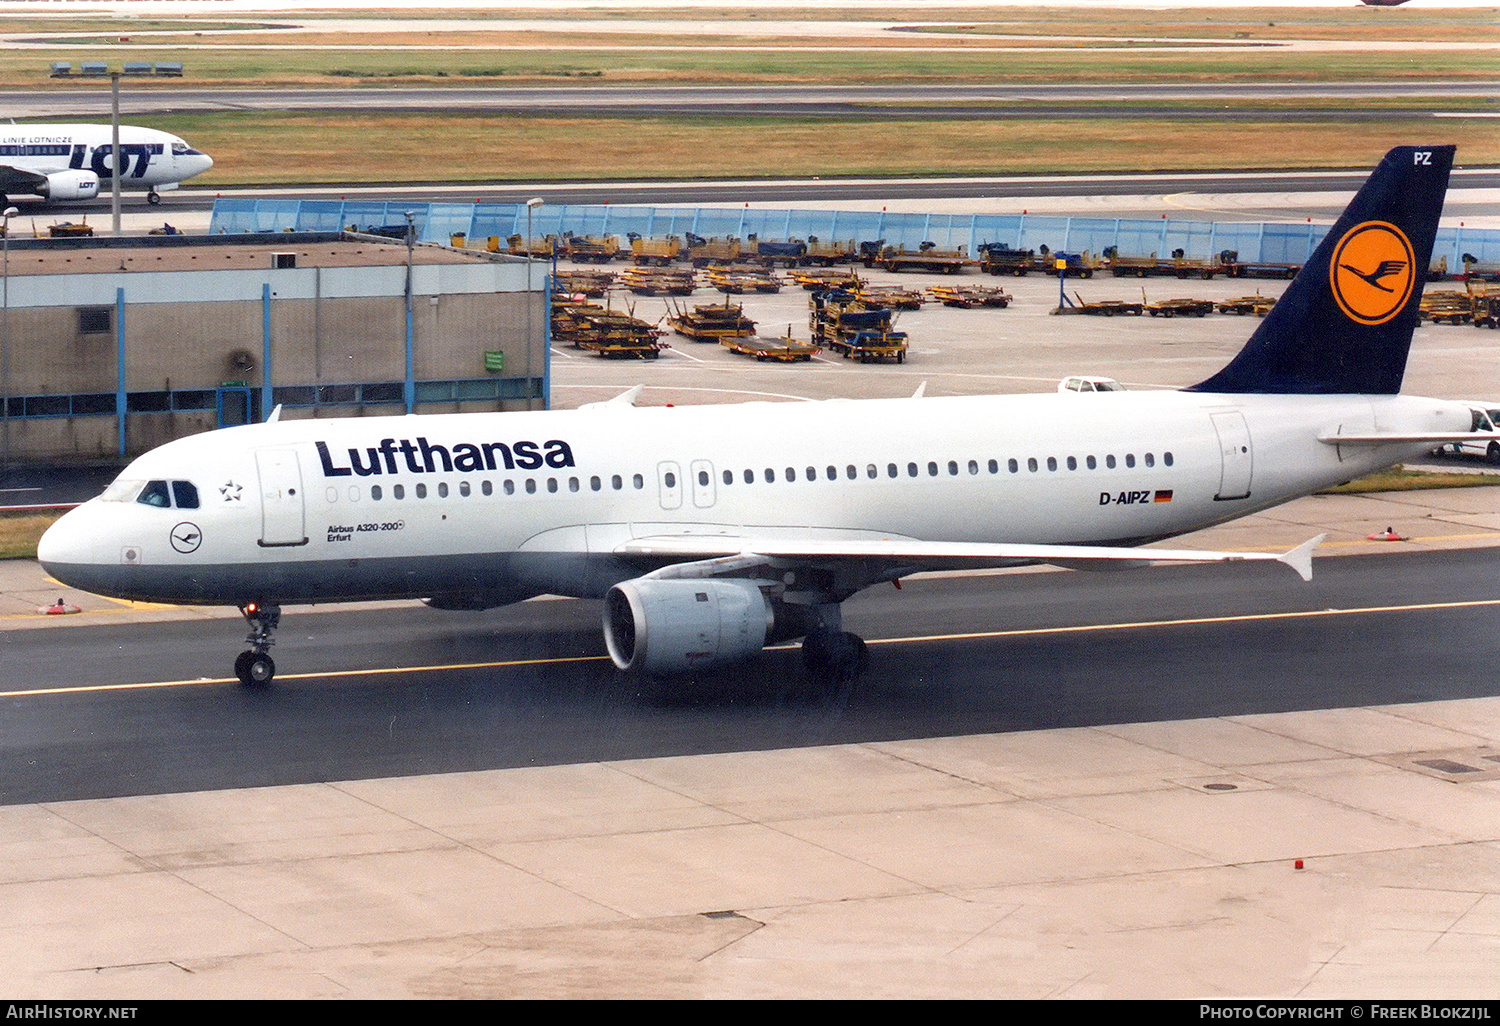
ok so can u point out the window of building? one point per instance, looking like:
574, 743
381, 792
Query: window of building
95, 320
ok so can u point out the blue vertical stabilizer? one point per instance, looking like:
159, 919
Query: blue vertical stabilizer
1344, 324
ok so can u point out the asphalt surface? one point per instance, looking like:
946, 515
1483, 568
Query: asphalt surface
399, 691
947, 101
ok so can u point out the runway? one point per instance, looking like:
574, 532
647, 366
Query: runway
1299, 100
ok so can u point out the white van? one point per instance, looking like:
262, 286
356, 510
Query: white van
1486, 418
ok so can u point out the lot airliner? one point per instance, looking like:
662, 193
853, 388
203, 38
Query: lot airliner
710, 532
61, 163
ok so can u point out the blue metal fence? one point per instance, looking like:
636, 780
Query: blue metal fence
437, 222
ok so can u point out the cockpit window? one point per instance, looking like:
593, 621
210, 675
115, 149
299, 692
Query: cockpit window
185, 494
155, 494
121, 490
182, 149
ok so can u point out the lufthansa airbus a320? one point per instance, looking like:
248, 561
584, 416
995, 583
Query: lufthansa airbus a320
710, 532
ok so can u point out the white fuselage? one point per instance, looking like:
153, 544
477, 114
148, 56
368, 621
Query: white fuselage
515, 504
150, 159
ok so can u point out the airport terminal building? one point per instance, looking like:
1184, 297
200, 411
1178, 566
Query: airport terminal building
109, 347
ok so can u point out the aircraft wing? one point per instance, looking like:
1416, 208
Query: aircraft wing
14, 179
716, 555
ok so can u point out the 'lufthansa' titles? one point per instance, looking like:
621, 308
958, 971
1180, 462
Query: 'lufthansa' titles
403, 455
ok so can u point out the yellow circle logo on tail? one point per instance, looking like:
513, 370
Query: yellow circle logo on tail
1373, 272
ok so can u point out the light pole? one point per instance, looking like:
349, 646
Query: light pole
114, 152
409, 386
10, 212
531, 205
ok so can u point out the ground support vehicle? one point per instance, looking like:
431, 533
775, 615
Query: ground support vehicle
873, 345
702, 252
786, 350
1447, 307
826, 254
1077, 265
1242, 305
926, 257
1110, 308
661, 252
1179, 265
823, 279
657, 282
1476, 271
569, 320
1234, 267
546, 246
1486, 418
789, 253
1180, 308
583, 283
712, 323
618, 335
591, 249
1486, 311
734, 282
69, 230
967, 297
998, 258
841, 323
888, 297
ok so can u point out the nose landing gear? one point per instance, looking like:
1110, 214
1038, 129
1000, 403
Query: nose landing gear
255, 666
153, 197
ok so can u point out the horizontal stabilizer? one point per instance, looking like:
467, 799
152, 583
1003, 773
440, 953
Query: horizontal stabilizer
1410, 438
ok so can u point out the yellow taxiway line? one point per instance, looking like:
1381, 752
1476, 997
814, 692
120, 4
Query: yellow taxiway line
968, 636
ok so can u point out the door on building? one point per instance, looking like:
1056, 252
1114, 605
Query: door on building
236, 406
282, 515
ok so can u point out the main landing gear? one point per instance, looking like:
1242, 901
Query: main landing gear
255, 666
835, 657
831, 654
153, 197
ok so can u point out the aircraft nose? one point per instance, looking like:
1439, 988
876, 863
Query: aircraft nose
67, 543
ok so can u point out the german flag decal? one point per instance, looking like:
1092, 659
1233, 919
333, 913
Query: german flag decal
1372, 272
1162, 495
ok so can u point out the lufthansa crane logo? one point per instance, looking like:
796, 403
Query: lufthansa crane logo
1373, 272
186, 537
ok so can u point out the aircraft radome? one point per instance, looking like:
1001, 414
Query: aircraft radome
710, 532
62, 163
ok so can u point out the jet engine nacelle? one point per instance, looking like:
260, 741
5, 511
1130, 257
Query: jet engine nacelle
668, 626
70, 185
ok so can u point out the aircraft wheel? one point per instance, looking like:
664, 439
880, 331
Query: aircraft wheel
836, 658
153, 198
254, 668
1493, 453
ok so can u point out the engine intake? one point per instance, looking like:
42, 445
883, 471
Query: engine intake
669, 626
70, 185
